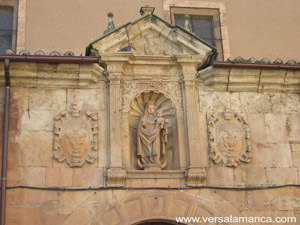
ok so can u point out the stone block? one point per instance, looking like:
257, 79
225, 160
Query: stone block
276, 102
47, 99
293, 127
259, 200
235, 103
290, 103
257, 128
31, 197
237, 198
33, 176
282, 176
86, 99
88, 177
37, 120
256, 176
45, 214
255, 102
13, 177
59, 177
69, 201
295, 147
219, 175
276, 128
36, 148
79, 216
271, 155
25, 215
296, 159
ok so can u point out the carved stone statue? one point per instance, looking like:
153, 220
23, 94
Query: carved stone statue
152, 138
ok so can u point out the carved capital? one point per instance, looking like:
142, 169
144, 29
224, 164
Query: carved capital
195, 177
116, 177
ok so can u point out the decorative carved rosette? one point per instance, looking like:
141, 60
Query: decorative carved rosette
133, 89
229, 138
75, 137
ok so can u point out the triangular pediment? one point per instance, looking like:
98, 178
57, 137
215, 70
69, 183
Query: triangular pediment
151, 35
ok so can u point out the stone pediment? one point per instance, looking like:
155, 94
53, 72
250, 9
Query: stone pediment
150, 35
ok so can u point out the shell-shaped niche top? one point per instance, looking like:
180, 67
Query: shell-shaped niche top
162, 103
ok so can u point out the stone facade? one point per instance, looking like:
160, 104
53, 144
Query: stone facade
98, 181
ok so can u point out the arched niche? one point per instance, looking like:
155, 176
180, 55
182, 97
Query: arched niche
137, 110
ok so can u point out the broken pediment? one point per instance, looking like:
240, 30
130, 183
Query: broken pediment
150, 35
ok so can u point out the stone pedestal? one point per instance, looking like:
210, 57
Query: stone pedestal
152, 167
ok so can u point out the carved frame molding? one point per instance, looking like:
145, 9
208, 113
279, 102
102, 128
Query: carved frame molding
227, 149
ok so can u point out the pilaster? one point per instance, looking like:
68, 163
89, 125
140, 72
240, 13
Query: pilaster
116, 174
196, 140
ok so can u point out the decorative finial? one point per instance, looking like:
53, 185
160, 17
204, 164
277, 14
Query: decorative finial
145, 10
110, 25
187, 22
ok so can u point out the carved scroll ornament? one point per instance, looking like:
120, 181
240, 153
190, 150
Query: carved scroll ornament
75, 137
229, 138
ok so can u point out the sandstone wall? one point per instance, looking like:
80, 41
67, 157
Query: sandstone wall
42, 91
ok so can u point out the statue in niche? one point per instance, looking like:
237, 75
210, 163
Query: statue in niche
152, 138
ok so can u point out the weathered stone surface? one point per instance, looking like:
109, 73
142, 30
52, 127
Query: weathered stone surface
276, 128
277, 176
59, 177
86, 99
220, 176
88, 177
33, 176
36, 148
47, 99
271, 155
80, 215
257, 128
27, 196
37, 120
256, 176
293, 127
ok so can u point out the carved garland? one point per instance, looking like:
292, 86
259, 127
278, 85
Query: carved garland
132, 89
75, 137
229, 138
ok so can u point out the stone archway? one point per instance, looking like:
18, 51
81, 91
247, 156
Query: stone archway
146, 206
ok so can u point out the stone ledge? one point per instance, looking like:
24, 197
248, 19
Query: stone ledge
163, 174
245, 79
53, 75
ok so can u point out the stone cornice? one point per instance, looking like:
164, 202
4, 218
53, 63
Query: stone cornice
70, 75
258, 78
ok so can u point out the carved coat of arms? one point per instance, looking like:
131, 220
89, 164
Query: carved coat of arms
229, 138
75, 137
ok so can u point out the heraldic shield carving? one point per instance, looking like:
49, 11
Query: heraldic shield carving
75, 137
229, 138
